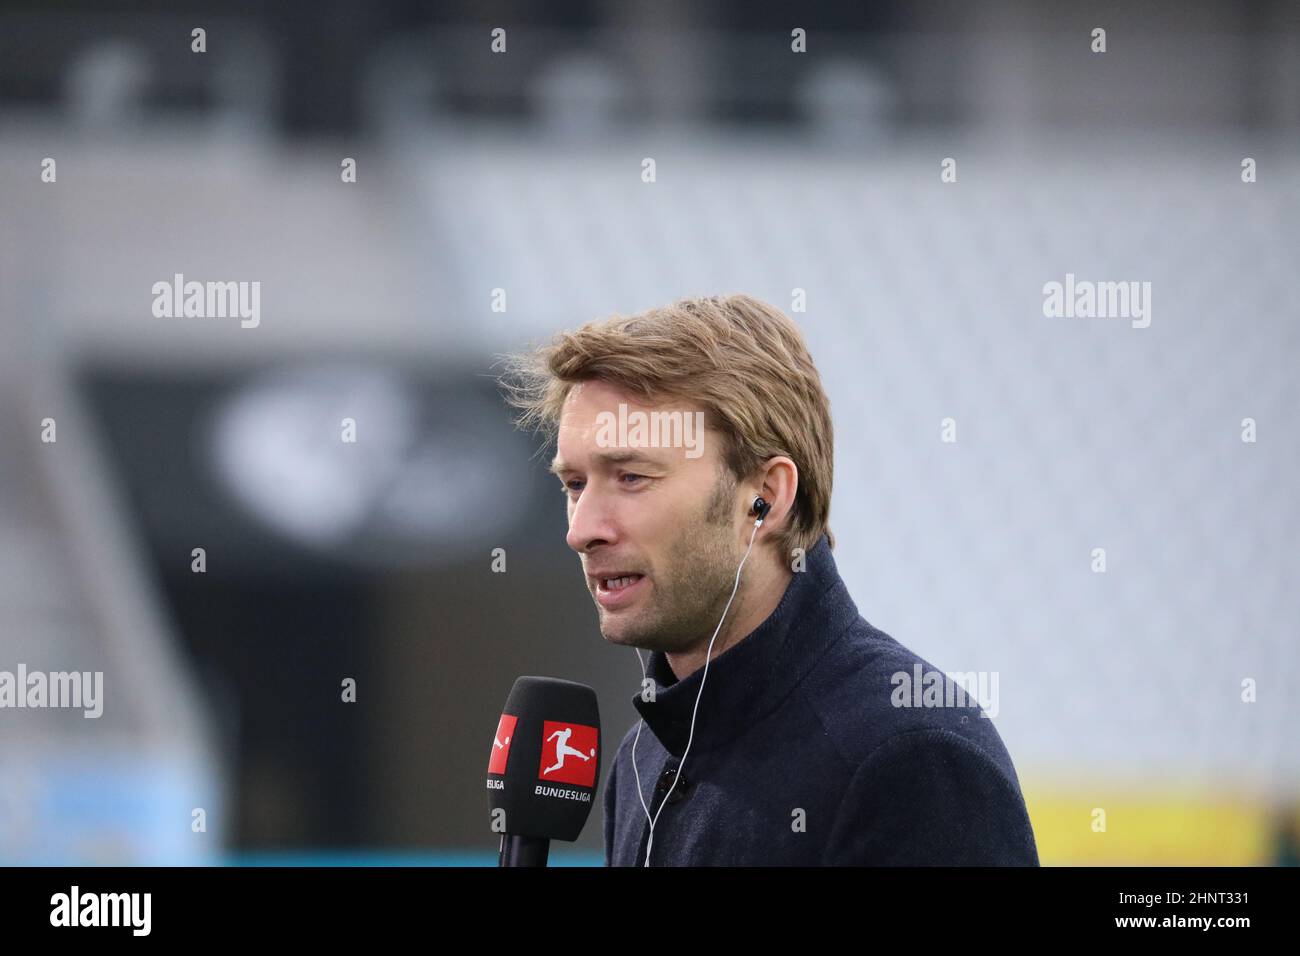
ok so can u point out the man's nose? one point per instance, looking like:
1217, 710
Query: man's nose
590, 522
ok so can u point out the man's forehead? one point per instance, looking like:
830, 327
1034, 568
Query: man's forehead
602, 424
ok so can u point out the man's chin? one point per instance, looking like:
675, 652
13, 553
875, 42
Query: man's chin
626, 629
637, 634
619, 632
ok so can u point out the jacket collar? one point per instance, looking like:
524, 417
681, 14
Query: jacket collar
755, 675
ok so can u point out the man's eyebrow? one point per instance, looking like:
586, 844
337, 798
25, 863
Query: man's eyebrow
610, 458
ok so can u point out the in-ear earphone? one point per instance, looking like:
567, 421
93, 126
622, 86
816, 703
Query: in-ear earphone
760, 507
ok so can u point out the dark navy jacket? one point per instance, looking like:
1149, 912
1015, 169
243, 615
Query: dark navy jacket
803, 757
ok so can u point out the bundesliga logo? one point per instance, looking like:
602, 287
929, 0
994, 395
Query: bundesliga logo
568, 754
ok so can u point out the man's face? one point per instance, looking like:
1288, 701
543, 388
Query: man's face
667, 519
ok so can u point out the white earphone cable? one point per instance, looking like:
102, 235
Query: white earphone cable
708, 654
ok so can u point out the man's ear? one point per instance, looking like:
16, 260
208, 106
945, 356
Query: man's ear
778, 481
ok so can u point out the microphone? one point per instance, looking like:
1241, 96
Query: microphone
543, 767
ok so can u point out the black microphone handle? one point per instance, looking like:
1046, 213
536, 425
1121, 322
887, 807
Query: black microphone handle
524, 850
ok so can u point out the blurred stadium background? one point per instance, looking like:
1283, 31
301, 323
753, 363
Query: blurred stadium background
522, 171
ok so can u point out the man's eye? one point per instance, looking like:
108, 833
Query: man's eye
634, 477
568, 486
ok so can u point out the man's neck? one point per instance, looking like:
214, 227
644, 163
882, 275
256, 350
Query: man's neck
762, 587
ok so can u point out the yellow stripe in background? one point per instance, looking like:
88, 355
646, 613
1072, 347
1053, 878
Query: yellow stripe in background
1147, 827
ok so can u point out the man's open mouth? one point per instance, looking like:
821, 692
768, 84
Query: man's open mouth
611, 585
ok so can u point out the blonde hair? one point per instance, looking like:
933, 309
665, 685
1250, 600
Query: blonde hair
742, 360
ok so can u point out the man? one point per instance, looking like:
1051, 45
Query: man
694, 448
